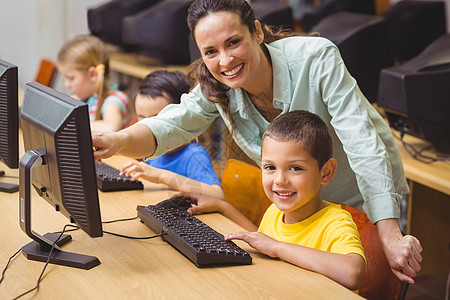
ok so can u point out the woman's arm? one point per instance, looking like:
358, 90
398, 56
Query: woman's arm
136, 141
347, 270
402, 252
176, 181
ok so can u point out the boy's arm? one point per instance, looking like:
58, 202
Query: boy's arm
204, 204
175, 181
347, 270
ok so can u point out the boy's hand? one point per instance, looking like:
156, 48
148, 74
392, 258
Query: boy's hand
137, 169
257, 240
202, 203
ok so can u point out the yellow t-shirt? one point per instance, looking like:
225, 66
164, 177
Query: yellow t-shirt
331, 229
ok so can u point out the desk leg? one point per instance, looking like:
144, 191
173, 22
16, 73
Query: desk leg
429, 221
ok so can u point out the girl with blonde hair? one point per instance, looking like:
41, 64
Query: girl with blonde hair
83, 61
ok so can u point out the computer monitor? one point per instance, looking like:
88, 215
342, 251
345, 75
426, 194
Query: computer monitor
160, 31
362, 40
105, 20
9, 121
59, 164
416, 94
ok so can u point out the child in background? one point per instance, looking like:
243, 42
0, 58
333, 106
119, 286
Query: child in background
187, 168
83, 62
299, 227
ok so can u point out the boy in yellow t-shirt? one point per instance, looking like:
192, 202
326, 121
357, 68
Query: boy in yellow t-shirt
299, 227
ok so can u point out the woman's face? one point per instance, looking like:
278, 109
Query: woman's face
231, 53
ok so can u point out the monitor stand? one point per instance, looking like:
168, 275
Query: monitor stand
7, 187
40, 248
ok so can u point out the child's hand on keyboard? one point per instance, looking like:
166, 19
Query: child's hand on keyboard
137, 169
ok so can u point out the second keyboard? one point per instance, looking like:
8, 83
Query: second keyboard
109, 179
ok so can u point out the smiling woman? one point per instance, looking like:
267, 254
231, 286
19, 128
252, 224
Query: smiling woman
248, 75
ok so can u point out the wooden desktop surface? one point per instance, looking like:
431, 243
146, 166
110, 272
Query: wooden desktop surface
428, 206
139, 66
434, 175
143, 269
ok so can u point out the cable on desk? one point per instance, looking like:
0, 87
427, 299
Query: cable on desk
417, 154
118, 234
135, 238
46, 263
8, 263
120, 220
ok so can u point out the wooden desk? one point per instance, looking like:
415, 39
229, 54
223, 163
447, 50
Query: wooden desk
428, 207
144, 269
139, 66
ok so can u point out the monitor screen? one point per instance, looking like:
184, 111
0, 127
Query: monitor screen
9, 120
58, 163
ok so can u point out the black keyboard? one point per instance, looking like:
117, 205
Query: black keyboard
108, 179
193, 238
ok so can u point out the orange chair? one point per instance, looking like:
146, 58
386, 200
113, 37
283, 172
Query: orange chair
379, 282
47, 73
242, 186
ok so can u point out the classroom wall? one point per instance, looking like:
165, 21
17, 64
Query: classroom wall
35, 29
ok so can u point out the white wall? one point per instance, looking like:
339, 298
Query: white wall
35, 29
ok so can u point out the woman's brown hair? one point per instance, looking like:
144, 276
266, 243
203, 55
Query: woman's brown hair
212, 89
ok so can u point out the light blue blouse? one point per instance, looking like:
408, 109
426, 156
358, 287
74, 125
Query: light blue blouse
308, 74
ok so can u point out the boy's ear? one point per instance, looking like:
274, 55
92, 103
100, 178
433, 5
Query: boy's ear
328, 170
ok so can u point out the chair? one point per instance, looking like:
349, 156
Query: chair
47, 73
379, 282
242, 186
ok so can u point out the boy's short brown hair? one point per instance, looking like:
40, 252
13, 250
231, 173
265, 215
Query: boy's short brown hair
305, 128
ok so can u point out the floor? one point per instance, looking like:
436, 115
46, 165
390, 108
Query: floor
432, 287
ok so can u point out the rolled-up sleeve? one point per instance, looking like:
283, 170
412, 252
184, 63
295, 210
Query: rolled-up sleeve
178, 124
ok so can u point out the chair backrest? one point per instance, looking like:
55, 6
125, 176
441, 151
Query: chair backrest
242, 186
47, 73
379, 282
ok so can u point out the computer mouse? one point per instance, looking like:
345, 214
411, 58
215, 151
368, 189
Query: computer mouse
177, 202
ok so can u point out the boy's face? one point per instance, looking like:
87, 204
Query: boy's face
291, 179
147, 106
